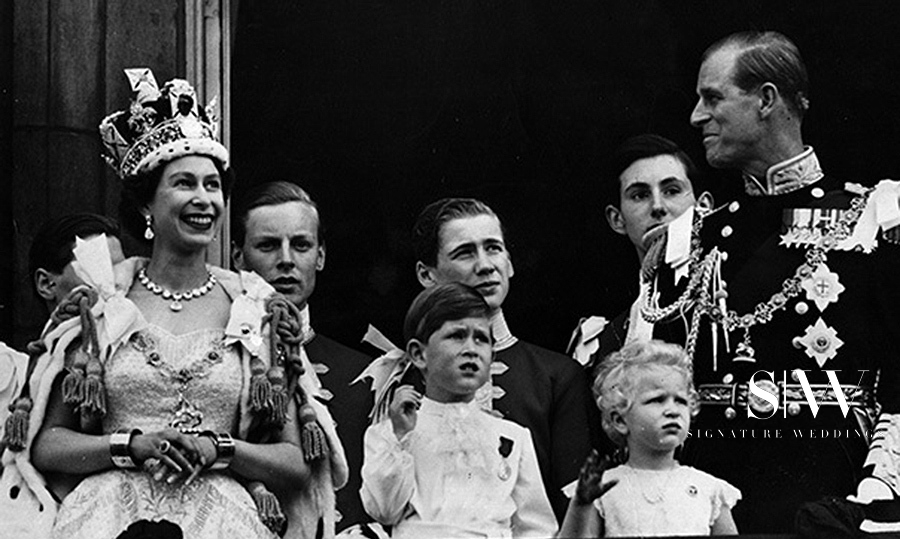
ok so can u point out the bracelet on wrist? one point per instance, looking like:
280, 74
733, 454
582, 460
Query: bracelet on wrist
224, 444
119, 447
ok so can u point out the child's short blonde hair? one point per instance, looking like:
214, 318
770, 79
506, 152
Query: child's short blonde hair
616, 379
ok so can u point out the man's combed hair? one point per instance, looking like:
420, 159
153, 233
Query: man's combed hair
442, 303
270, 194
427, 230
768, 57
639, 147
617, 377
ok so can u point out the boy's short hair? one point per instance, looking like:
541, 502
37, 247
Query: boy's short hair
272, 193
427, 230
616, 378
442, 303
639, 147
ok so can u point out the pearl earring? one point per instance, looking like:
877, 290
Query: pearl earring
148, 234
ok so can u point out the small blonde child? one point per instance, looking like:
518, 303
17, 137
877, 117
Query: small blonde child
646, 397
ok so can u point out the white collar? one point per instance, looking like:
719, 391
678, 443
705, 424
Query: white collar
503, 338
305, 326
449, 409
787, 176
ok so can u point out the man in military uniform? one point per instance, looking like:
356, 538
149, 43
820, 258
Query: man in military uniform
795, 274
278, 233
462, 240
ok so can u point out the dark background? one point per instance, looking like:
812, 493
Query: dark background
379, 107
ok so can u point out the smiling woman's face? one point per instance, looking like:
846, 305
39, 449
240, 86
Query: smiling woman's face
188, 204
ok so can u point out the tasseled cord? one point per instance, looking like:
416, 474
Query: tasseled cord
286, 338
83, 385
15, 431
270, 390
268, 506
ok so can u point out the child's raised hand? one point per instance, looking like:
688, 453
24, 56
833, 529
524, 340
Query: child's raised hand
590, 479
403, 410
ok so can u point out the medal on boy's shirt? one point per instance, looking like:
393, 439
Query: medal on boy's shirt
505, 449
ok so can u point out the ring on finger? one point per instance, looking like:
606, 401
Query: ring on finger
164, 447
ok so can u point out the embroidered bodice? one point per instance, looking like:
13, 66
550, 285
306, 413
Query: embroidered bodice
156, 374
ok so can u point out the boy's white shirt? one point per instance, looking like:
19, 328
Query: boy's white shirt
445, 478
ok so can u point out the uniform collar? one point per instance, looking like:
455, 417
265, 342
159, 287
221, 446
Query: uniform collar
305, 326
503, 338
790, 175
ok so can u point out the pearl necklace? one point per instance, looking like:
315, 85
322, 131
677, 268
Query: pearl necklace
176, 297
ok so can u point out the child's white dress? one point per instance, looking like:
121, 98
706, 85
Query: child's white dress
460, 473
680, 501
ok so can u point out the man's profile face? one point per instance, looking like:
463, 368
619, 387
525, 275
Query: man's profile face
472, 251
727, 115
282, 245
652, 192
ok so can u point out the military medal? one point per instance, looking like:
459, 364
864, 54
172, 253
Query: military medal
506, 445
820, 342
822, 287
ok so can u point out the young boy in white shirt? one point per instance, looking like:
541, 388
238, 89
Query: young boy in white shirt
440, 466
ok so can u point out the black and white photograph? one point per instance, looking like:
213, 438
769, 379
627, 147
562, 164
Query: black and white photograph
454, 269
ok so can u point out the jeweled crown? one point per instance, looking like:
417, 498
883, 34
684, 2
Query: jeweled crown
159, 126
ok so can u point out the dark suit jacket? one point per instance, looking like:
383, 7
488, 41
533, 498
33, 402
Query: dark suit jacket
548, 393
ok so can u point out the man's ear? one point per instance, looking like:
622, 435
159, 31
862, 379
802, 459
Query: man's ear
415, 349
615, 220
45, 284
769, 96
618, 421
705, 201
425, 274
320, 258
237, 257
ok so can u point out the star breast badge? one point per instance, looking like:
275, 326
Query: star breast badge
822, 287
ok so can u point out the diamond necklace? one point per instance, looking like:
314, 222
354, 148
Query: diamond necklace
176, 297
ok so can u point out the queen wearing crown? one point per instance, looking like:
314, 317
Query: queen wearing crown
179, 391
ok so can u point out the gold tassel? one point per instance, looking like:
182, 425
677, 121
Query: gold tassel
268, 506
260, 388
73, 383
312, 438
15, 434
94, 393
279, 403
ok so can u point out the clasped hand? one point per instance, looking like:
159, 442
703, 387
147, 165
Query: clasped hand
170, 455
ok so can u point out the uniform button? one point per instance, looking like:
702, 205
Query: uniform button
801, 307
724, 256
817, 192
734, 206
727, 231
728, 378
794, 376
793, 408
730, 413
